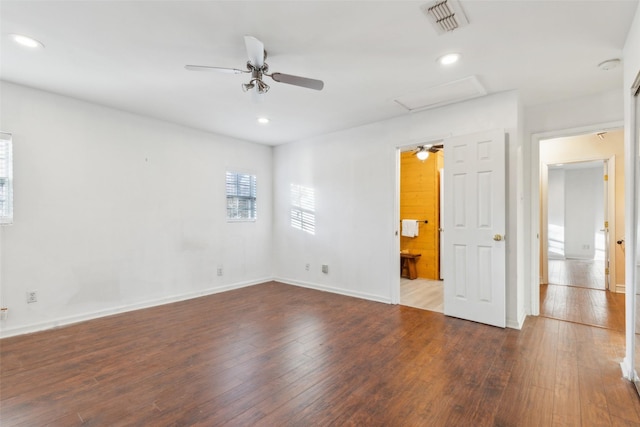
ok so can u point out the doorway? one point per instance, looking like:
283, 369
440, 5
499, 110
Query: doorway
420, 202
576, 216
474, 227
582, 219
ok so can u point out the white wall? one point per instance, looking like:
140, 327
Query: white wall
354, 175
115, 211
584, 205
555, 194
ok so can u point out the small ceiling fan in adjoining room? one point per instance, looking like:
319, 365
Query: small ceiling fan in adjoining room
258, 69
423, 151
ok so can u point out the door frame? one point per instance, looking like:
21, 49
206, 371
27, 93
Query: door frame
395, 279
535, 213
628, 365
610, 187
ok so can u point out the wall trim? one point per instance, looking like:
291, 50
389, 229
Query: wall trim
66, 321
620, 288
517, 324
331, 289
627, 369
512, 324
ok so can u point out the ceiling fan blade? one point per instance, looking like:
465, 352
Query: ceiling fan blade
218, 69
298, 81
255, 51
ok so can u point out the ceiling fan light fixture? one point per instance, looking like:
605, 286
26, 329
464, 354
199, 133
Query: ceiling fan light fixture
262, 87
247, 87
423, 154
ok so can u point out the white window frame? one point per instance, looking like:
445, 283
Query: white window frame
242, 202
6, 178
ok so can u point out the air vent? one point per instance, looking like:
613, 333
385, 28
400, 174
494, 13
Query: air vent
445, 15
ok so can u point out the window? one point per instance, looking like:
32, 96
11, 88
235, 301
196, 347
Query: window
241, 197
6, 179
303, 216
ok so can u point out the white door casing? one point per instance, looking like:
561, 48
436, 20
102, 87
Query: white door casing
474, 227
440, 225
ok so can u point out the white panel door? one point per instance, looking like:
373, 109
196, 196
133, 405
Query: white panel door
474, 227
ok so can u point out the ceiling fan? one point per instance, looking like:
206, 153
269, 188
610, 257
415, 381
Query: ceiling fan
258, 68
422, 151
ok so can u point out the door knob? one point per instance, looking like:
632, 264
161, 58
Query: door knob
497, 237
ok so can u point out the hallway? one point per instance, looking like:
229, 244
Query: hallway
593, 307
577, 272
576, 293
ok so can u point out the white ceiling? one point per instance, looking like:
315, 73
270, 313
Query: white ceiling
130, 55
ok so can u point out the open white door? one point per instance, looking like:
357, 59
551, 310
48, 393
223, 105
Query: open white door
474, 227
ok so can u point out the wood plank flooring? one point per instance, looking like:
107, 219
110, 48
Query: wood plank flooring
582, 305
279, 355
576, 272
422, 293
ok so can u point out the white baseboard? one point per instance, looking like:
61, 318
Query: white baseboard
517, 324
20, 330
620, 288
340, 291
510, 323
627, 369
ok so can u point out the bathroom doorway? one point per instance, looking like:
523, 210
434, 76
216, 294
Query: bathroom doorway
420, 202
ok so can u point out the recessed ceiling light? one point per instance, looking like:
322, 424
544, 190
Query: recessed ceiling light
263, 120
26, 41
448, 59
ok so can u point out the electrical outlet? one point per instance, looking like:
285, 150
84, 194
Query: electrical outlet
325, 268
220, 271
32, 296
586, 246
307, 266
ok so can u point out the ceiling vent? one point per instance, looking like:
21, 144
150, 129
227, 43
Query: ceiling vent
445, 15
438, 96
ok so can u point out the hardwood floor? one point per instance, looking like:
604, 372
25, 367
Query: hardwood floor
587, 306
423, 294
576, 272
274, 354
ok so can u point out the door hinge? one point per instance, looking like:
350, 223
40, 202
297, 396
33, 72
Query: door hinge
606, 177
606, 224
606, 270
